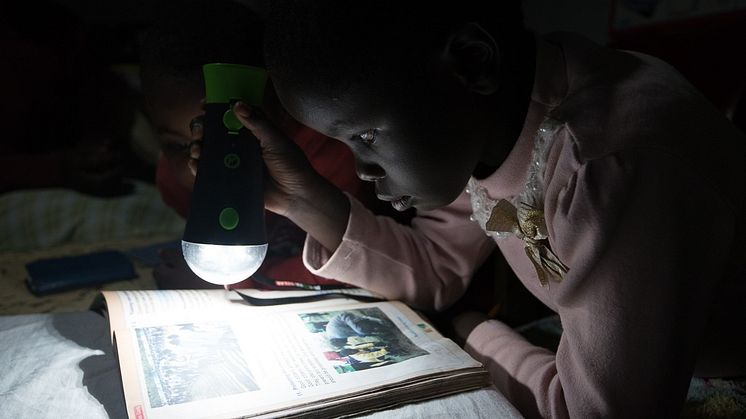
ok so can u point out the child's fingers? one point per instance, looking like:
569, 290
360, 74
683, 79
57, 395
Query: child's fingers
195, 149
197, 128
193, 166
270, 138
291, 174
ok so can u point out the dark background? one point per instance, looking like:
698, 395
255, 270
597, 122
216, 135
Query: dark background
704, 39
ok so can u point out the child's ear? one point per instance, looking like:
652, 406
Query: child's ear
474, 58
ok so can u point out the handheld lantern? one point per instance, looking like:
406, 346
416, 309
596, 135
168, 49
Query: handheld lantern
225, 239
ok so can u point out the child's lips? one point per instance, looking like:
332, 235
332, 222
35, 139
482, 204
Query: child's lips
399, 202
402, 203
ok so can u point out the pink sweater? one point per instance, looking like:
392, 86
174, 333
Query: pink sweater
644, 202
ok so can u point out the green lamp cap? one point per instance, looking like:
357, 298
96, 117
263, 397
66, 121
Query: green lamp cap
230, 82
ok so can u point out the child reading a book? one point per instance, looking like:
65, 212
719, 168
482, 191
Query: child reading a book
614, 190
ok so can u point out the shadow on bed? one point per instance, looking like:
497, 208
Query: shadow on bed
100, 372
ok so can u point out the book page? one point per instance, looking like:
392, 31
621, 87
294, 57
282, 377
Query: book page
205, 354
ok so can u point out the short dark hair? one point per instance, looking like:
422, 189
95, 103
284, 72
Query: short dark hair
340, 42
184, 35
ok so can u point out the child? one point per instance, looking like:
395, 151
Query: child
613, 189
173, 51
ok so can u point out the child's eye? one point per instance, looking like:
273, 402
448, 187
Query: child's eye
368, 137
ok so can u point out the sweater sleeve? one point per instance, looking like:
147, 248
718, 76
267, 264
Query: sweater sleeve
646, 240
428, 265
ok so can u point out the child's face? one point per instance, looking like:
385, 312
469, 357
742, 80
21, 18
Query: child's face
416, 149
171, 111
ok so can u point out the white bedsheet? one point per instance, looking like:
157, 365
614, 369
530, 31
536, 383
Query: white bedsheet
62, 366
58, 366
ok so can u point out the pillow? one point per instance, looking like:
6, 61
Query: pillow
42, 218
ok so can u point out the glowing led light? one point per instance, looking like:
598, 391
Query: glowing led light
223, 264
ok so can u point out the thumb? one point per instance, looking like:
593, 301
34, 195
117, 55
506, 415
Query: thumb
270, 138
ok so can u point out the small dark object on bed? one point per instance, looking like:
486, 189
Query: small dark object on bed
48, 276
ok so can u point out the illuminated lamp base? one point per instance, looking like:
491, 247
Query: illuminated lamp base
223, 264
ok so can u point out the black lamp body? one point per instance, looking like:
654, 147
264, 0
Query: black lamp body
225, 238
229, 182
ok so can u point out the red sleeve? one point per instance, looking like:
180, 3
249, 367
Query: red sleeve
172, 192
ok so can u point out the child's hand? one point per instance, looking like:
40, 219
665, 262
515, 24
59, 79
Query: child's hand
196, 127
295, 189
292, 177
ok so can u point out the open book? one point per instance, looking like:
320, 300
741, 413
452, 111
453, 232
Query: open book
207, 353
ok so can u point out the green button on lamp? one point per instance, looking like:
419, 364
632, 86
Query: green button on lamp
231, 122
228, 218
232, 160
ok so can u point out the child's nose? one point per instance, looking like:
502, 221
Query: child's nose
369, 172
